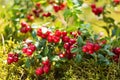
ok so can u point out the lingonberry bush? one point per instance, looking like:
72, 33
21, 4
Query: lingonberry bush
56, 35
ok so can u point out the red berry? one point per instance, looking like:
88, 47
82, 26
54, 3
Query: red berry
39, 71
24, 50
15, 59
46, 69
116, 1
66, 45
84, 49
38, 5
10, 54
39, 32
96, 47
24, 24
10, 60
90, 46
90, 51
116, 50
74, 34
72, 41
48, 33
116, 58
23, 30
69, 56
50, 38
56, 39
47, 14
30, 17
32, 47
79, 33
46, 62
95, 11
29, 52
44, 36
62, 6
100, 10
61, 55
67, 51
58, 33
56, 8
65, 39
64, 33
93, 6
103, 42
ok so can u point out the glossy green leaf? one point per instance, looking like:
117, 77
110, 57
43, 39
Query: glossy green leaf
79, 41
74, 50
78, 58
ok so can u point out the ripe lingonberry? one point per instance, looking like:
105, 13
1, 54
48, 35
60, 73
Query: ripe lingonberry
32, 47
46, 62
84, 49
10, 60
38, 5
56, 8
50, 38
62, 6
66, 45
61, 55
39, 71
58, 33
24, 50
93, 6
29, 52
72, 41
56, 39
46, 69
96, 10
24, 24
64, 33
96, 47
30, 17
46, 14
116, 1
65, 38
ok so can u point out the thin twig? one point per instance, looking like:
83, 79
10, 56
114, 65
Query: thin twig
3, 43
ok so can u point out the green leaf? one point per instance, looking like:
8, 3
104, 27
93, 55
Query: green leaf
100, 56
27, 64
34, 35
78, 58
69, 3
39, 56
74, 50
67, 13
79, 41
110, 53
46, 50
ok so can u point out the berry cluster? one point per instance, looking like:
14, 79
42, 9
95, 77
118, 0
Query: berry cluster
37, 9
30, 17
59, 7
116, 51
46, 14
12, 57
25, 27
29, 49
96, 10
68, 45
90, 47
44, 69
116, 1
44, 33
